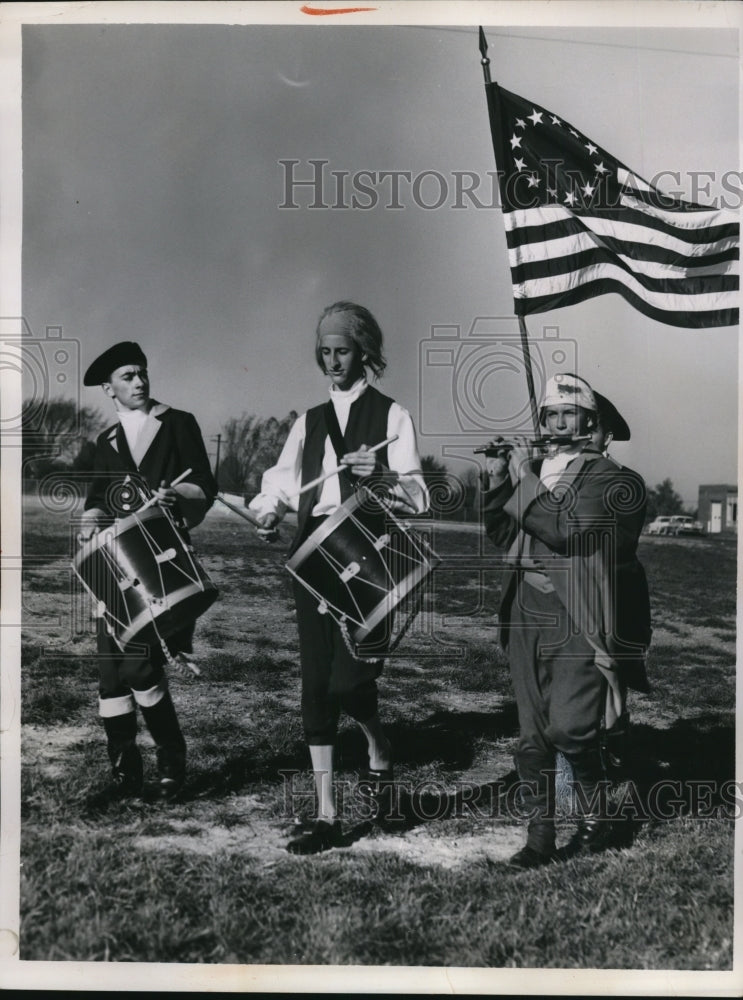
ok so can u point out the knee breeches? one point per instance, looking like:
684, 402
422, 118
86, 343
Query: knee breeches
560, 692
332, 679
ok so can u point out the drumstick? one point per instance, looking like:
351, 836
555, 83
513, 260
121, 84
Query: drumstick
178, 479
333, 472
239, 510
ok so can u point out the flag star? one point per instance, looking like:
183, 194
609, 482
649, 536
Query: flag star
573, 132
552, 191
556, 120
569, 198
588, 190
536, 117
515, 141
533, 181
591, 148
520, 123
520, 164
601, 169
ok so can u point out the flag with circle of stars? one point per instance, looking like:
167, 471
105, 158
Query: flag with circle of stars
579, 223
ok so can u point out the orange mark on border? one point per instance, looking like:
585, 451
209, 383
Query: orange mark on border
338, 10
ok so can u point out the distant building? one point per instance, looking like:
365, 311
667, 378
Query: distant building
718, 508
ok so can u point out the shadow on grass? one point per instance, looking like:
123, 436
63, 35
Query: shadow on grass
697, 751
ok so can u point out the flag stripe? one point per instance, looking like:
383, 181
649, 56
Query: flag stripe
579, 223
565, 239
697, 320
629, 223
559, 256
697, 297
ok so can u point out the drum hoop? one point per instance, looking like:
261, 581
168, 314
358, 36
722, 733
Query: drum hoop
150, 614
107, 615
120, 527
331, 522
381, 610
387, 605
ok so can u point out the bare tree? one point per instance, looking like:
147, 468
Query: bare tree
251, 445
55, 433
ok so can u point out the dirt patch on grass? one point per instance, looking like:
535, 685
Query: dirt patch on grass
265, 840
52, 750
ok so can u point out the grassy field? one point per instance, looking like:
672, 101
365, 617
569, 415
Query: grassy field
208, 879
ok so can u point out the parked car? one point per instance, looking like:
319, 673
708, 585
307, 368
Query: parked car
675, 524
683, 525
659, 526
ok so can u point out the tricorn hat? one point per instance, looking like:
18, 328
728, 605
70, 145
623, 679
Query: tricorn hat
610, 418
125, 353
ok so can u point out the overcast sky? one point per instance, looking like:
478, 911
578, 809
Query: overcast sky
153, 184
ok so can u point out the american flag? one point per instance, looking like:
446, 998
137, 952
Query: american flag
579, 224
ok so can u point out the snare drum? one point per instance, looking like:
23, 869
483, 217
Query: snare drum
145, 580
362, 565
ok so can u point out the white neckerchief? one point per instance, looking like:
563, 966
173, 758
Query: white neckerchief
132, 421
343, 399
553, 467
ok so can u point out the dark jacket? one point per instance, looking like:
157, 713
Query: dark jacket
175, 444
583, 536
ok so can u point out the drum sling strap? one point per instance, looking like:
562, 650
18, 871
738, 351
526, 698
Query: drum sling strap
346, 478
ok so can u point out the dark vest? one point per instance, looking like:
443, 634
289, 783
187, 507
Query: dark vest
367, 424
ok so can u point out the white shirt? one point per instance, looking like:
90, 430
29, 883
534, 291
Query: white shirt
133, 422
281, 484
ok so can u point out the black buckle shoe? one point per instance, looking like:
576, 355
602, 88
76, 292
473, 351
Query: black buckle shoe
322, 837
383, 796
374, 782
529, 857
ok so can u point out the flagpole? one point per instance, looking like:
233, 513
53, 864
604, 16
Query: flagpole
529, 374
485, 63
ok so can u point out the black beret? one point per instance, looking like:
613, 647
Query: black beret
125, 353
611, 419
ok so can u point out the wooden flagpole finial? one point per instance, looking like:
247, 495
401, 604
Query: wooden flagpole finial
484, 53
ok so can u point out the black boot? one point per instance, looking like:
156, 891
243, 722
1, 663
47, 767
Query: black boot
595, 830
162, 722
126, 760
616, 749
537, 797
595, 833
539, 848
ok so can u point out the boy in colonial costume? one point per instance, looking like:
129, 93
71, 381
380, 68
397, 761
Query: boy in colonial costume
575, 616
356, 417
149, 446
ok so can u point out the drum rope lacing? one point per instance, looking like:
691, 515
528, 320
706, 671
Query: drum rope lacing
182, 665
415, 608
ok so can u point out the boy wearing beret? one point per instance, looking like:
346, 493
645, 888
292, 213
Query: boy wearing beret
148, 446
